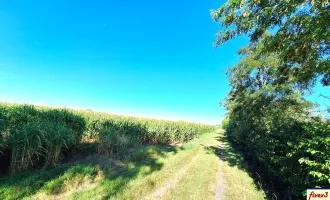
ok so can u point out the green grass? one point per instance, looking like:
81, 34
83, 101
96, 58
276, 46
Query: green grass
152, 171
239, 184
76, 175
198, 181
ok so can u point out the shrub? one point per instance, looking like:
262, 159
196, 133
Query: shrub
291, 154
225, 122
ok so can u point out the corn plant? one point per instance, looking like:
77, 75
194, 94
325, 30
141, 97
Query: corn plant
26, 147
56, 138
112, 141
37, 136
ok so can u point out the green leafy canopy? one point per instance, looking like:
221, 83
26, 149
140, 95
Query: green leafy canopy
300, 33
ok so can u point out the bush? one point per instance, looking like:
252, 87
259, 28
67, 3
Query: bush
225, 122
291, 154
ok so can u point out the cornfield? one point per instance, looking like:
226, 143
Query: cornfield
37, 136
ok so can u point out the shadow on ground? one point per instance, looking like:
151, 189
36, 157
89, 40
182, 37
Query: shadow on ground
116, 172
227, 152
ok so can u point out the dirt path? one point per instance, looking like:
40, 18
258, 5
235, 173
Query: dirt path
169, 185
220, 186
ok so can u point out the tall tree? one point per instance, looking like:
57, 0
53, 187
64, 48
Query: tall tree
300, 34
271, 124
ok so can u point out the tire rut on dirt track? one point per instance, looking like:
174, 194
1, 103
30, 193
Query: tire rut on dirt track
171, 184
220, 186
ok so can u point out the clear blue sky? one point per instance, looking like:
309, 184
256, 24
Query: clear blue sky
146, 58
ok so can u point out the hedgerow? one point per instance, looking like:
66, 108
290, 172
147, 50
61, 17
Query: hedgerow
273, 125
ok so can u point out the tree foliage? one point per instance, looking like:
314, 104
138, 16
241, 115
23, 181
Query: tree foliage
268, 117
300, 34
271, 123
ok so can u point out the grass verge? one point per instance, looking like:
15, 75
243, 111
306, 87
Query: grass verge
146, 172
